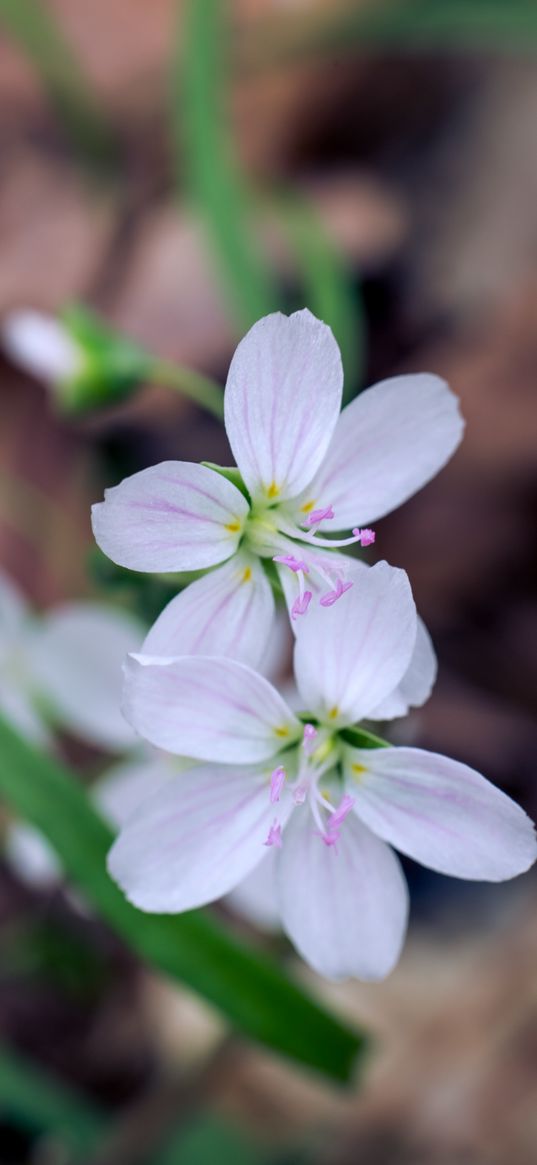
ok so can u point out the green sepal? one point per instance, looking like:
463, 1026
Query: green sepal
112, 367
233, 475
362, 738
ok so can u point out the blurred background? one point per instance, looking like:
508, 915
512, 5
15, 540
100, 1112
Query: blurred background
183, 169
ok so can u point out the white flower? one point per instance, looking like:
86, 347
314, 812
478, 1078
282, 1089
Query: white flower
41, 345
64, 666
306, 470
314, 791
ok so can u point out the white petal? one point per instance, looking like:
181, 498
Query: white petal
206, 708
348, 657
17, 707
13, 612
31, 857
194, 839
345, 908
389, 442
174, 516
120, 791
442, 813
229, 612
76, 655
416, 684
255, 897
41, 345
282, 400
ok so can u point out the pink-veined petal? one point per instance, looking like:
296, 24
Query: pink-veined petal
75, 656
282, 400
207, 708
254, 898
174, 516
350, 656
228, 612
122, 788
417, 682
388, 443
344, 907
441, 812
194, 839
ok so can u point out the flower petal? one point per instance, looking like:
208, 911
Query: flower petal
442, 813
173, 516
417, 682
282, 400
345, 907
350, 656
41, 345
122, 788
229, 612
207, 708
31, 857
17, 707
389, 442
254, 898
13, 612
194, 839
75, 656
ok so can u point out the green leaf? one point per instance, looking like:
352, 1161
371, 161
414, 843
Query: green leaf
329, 291
202, 144
32, 26
209, 1140
41, 1104
251, 991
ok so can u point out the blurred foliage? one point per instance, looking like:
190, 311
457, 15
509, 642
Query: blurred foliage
191, 947
42, 1105
33, 27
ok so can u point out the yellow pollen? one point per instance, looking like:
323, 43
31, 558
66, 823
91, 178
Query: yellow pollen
308, 506
247, 574
333, 713
283, 731
358, 769
273, 490
233, 527
327, 795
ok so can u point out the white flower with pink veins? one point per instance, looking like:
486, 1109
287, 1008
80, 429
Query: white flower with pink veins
304, 471
317, 793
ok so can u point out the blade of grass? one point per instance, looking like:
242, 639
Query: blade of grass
202, 143
251, 991
34, 29
329, 291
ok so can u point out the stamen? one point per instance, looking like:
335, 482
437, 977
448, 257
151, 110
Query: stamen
365, 537
299, 794
330, 836
277, 781
308, 742
331, 597
293, 563
274, 835
301, 604
317, 516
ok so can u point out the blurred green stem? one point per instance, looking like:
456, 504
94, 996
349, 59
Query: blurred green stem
201, 389
33, 27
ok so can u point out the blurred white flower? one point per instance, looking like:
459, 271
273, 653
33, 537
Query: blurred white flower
41, 345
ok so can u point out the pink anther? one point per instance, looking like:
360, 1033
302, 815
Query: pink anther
301, 604
277, 781
317, 516
274, 835
293, 563
364, 537
331, 597
310, 736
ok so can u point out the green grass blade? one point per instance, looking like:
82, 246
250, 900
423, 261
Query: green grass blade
203, 147
34, 29
328, 289
251, 991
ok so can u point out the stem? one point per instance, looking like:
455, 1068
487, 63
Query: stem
201, 389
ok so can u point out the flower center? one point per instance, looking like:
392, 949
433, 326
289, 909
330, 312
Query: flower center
317, 758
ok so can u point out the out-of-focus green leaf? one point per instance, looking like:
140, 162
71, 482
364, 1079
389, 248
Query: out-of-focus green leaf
205, 159
445, 25
329, 292
42, 1105
31, 24
207, 1141
248, 988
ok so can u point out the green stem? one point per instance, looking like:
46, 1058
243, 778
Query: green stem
201, 389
